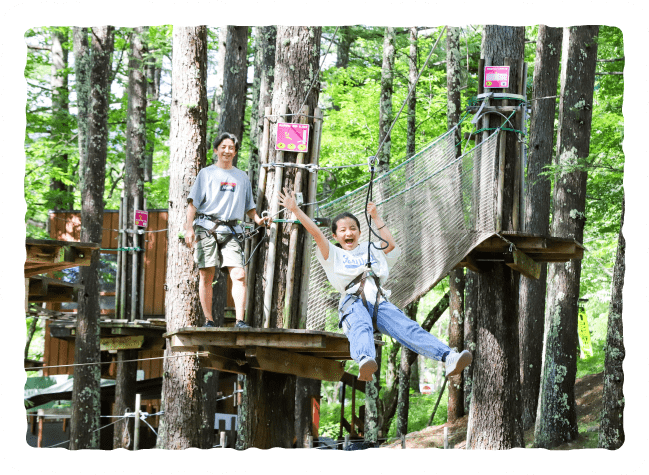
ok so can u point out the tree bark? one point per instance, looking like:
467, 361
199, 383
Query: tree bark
125, 398
233, 100
188, 149
412, 101
262, 93
86, 387
470, 340
153, 68
455, 408
611, 429
82, 66
345, 40
403, 381
216, 105
536, 218
61, 193
494, 415
556, 420
265, 425
385, 105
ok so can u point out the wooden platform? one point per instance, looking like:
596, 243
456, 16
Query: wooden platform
44, 289
306, 353
530, 250
46, 255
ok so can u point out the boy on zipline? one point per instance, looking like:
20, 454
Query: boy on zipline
364, 303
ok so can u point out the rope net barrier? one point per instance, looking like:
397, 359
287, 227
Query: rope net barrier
438, 208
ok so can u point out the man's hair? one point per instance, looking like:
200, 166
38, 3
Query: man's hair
227, 135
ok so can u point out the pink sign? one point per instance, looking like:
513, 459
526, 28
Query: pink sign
141, 218
292, 137
496, 76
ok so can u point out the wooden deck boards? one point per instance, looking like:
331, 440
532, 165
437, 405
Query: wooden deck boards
47, 255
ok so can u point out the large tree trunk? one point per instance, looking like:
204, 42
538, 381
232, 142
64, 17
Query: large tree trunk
153, 70
611, 429
556, 420
385, 104
262, 93
536, 218
86, 387
134, 190
82, 66
403, 380
62, 194
470, 339
233, 100
345, 40
264, 425
494, 416
455, 408
412, 101
188, 148
215, 106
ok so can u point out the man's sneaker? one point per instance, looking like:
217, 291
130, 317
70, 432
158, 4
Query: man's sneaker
209, 324
366, 368
241, 324
456, 362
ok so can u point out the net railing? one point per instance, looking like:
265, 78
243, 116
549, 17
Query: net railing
437, 207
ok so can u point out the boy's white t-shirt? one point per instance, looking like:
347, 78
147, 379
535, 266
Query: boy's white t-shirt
343, 266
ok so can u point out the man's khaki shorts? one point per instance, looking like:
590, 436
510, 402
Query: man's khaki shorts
208, 252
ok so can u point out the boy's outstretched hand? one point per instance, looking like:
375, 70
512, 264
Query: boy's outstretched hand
287, 200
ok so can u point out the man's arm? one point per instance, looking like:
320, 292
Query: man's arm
190, 237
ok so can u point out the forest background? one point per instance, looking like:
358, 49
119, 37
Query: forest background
604, 230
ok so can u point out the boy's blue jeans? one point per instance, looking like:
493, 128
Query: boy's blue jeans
357, 326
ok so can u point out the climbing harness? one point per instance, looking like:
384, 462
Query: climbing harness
227, 236
360, 293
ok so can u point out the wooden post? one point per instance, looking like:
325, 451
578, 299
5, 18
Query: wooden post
136, 430
134, 261
523, 148
311, 197
272, 248
118, 274
224, 439
123, 243
342, 413
263, 173
140, 295
445, 437
39, 442
292, 244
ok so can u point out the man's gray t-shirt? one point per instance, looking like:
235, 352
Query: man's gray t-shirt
224, 194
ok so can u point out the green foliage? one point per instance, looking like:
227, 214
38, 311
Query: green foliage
592, 364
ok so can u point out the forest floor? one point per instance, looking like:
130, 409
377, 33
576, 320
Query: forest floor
588, 395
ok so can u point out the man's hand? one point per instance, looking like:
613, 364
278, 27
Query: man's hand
190, 237
263, 220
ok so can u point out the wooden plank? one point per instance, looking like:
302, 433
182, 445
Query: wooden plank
353, 382
221, 363
121, 343
281, 340
280, 361
523, 264
160, 264
182, 343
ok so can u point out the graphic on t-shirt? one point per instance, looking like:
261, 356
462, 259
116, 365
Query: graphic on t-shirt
225, 186
352, 262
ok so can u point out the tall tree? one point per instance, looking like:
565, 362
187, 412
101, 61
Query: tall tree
536, 218
60, 118
385, 104
82, 66
153, 71
262, 92
134, 191
556, 420
455, 407
86, 387
494, 416
412, 85
216, 105
188, 150
611, 428
233, 100
345, 39
403, 382
296, 67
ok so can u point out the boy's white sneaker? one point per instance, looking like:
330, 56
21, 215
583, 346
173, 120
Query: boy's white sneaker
456, 362
366, 368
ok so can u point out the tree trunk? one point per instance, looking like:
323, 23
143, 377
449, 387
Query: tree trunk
305, 390
345, 40
455, 408
188, 149
412, 101
125, 398
262, 93
470, 339
267, 425
153, 68
403, 404
61, 194
82, 66
233, 100
556, 420
611, 429
385, 105
494, 416
86, 387
536, 218
216, 105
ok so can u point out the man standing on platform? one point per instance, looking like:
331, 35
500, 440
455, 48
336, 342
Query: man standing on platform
217, 202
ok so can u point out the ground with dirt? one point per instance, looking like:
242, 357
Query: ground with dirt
588, 395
